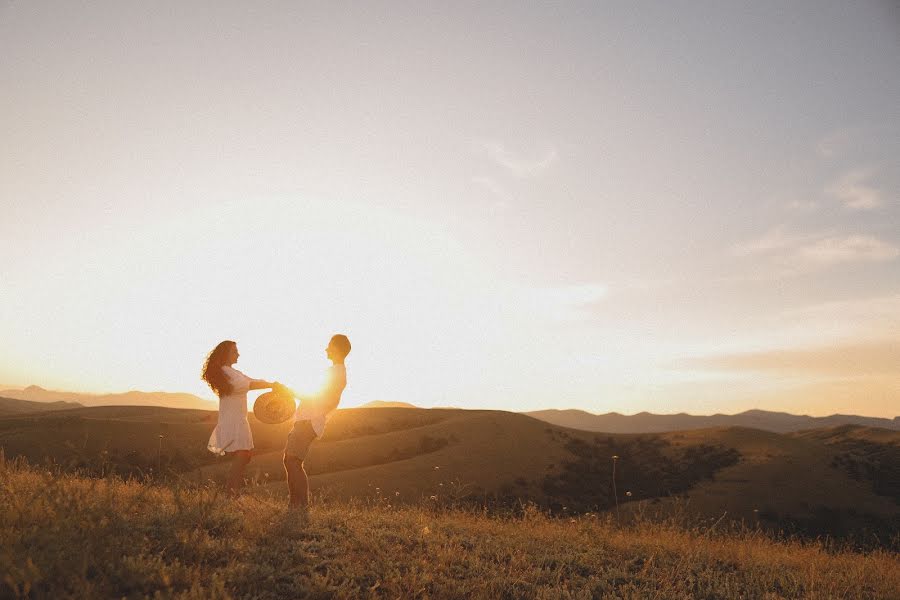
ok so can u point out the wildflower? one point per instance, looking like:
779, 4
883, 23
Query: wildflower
615, 457
628, 493
437, 468
434, 497
396, 493
425, 531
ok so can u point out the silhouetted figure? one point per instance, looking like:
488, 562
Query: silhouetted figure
310, 418
232, 434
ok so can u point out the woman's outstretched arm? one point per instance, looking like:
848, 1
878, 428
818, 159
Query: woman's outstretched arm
261, 384
285, 389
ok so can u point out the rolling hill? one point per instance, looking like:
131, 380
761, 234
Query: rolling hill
11, 406
34, 393
651, 423
834, 480
387, 404
792, 481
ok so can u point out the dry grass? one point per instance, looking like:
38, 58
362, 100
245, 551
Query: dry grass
67, 536
500, 455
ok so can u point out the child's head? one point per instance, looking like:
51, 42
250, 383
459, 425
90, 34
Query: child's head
338, 348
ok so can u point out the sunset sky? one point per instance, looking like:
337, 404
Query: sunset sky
607, 206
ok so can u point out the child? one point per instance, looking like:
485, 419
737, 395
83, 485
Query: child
310, 418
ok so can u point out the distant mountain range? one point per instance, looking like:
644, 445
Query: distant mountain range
34, 393
40, 399
645, 422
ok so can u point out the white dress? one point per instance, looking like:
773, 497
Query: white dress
232, 432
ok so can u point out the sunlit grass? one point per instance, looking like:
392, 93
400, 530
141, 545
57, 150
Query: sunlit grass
67, 536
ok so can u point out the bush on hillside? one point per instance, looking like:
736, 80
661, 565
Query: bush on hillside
646, 467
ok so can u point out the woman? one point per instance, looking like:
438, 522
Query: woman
232, 433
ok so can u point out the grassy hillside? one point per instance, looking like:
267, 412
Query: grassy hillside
111, 439
787, 482
865, 454
411, 454
14, 406
70, 537
808, 483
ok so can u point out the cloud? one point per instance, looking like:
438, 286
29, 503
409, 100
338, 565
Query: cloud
873, 316
836, 142
804, 205
853, 248
846, 359
788, 253
518, 166
854, 191
872, 396
777, 238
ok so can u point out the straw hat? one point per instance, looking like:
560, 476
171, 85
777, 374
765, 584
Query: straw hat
274, 407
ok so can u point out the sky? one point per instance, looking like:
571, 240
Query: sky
664, 207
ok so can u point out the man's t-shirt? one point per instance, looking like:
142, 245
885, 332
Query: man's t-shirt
317, 408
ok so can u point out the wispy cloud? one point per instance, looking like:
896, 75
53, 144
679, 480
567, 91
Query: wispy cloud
516, 164
855, 191
871, 316
853, 248
836, 356
788, 253
853, 358
836, 142
777, 238
803, 205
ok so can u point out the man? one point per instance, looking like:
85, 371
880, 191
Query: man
310, 418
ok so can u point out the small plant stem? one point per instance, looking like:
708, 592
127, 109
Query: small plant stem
615, 493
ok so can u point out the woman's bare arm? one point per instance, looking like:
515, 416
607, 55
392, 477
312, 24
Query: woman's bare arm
261, 384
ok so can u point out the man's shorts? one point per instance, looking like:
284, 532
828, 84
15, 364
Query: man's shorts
299, 439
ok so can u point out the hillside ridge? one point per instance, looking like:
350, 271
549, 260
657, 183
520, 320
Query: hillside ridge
645, 422
36, 393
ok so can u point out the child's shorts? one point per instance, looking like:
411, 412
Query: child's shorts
299, 439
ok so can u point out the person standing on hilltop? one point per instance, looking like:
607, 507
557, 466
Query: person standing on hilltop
310, 418
232, 434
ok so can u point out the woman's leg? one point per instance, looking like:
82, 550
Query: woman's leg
236, 474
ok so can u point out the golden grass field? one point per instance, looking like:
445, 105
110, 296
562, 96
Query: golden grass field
840, 481
66, 536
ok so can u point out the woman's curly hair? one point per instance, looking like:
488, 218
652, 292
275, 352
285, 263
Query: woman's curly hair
212, 368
